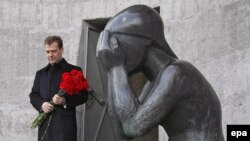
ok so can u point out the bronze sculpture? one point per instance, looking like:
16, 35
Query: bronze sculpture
177, 96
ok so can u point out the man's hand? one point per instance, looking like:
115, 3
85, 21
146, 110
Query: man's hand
47, 107
58, 100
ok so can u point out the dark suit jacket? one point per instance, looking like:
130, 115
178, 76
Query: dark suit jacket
46, 85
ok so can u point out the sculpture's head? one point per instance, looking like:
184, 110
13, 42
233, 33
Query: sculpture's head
135, 28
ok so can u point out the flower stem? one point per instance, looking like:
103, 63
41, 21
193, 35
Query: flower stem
39, 120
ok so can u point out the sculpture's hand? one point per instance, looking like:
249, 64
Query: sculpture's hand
111, 58
108, 51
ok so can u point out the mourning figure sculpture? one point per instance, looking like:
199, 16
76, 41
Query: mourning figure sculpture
177, 96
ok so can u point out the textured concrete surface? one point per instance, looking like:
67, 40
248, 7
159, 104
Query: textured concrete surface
211, 34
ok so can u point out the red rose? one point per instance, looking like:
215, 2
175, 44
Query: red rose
65, 76
74, 82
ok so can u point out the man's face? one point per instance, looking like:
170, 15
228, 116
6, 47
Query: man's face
53, 52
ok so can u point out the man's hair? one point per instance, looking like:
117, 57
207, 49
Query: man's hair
50, 39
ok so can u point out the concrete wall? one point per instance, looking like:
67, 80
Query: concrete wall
211, 34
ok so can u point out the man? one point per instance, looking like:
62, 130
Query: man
177, 96
45, 88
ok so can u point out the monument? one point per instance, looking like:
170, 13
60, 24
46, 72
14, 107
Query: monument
176, 96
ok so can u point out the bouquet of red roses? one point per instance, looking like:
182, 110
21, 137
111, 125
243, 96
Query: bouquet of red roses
72, 83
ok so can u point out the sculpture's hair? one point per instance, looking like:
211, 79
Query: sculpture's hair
143, 21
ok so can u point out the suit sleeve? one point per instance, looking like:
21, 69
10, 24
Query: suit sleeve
35, 98
73, 101
78, 99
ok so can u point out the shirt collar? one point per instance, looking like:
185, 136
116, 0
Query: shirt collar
63, 63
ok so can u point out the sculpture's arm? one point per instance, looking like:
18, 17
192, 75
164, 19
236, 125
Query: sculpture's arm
145, 91
137, 119
124, 100
116, 124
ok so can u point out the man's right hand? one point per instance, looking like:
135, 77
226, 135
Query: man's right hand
47, 107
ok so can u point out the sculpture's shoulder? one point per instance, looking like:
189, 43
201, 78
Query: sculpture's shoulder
185, 68
172, 72
177, 68
182, 65
179, 73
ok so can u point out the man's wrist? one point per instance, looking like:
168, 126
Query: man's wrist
41, 108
